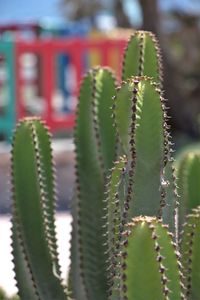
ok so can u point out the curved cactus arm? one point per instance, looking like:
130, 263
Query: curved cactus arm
142, 57
188, 173
95, 152
147, 268
142, 135
190, 249
30, 190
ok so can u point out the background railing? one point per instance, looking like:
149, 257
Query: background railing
42, 77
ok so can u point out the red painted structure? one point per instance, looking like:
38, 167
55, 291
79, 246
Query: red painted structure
47, 50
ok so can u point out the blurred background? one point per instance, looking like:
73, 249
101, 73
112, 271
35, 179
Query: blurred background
45, 48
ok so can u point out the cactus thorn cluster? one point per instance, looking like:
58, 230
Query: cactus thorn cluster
136, 213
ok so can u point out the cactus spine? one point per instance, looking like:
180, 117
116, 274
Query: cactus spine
188, 174
95, 153
34, 242
125, 190
142, 57
190, 243
153, 272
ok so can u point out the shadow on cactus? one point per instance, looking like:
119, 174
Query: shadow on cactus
125, 229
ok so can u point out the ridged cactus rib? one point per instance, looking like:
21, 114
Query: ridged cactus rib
76, 282
169, 188
114, 207
106, 85
48, 183
142, 57
149, 267
190, 249
95, 152
188, 173
113, 217
89, 180
23, 276
170, 208
30, 187
142, 136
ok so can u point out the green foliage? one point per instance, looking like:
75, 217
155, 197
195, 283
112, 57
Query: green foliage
125, 210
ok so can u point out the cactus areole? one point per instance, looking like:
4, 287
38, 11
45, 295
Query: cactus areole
126, 239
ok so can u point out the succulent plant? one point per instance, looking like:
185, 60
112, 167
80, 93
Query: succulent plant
33, 231
188, 174
124, 241
155, 272
190, 242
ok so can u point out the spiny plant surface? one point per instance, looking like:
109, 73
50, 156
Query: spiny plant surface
33, 221
125, 241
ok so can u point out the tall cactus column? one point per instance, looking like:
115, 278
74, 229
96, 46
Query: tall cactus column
95, 142
34, 235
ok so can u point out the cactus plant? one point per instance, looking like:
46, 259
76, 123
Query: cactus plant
33, 230
188, 174
154, 272
190, 243
124, 231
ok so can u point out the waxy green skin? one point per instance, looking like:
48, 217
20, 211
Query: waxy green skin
33, 229
95, 142
153, 272
190, 245
188, 174
125, 190
142, 57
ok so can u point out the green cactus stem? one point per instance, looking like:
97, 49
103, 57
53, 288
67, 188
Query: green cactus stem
33, 231
142, 57
188, 174
95, 141
170, 189
140, 121
113, 216
190, 249
150, 268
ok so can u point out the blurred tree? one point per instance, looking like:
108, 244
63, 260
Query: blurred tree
184, 105
151, 16
80, 9
184, 111
120, 15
